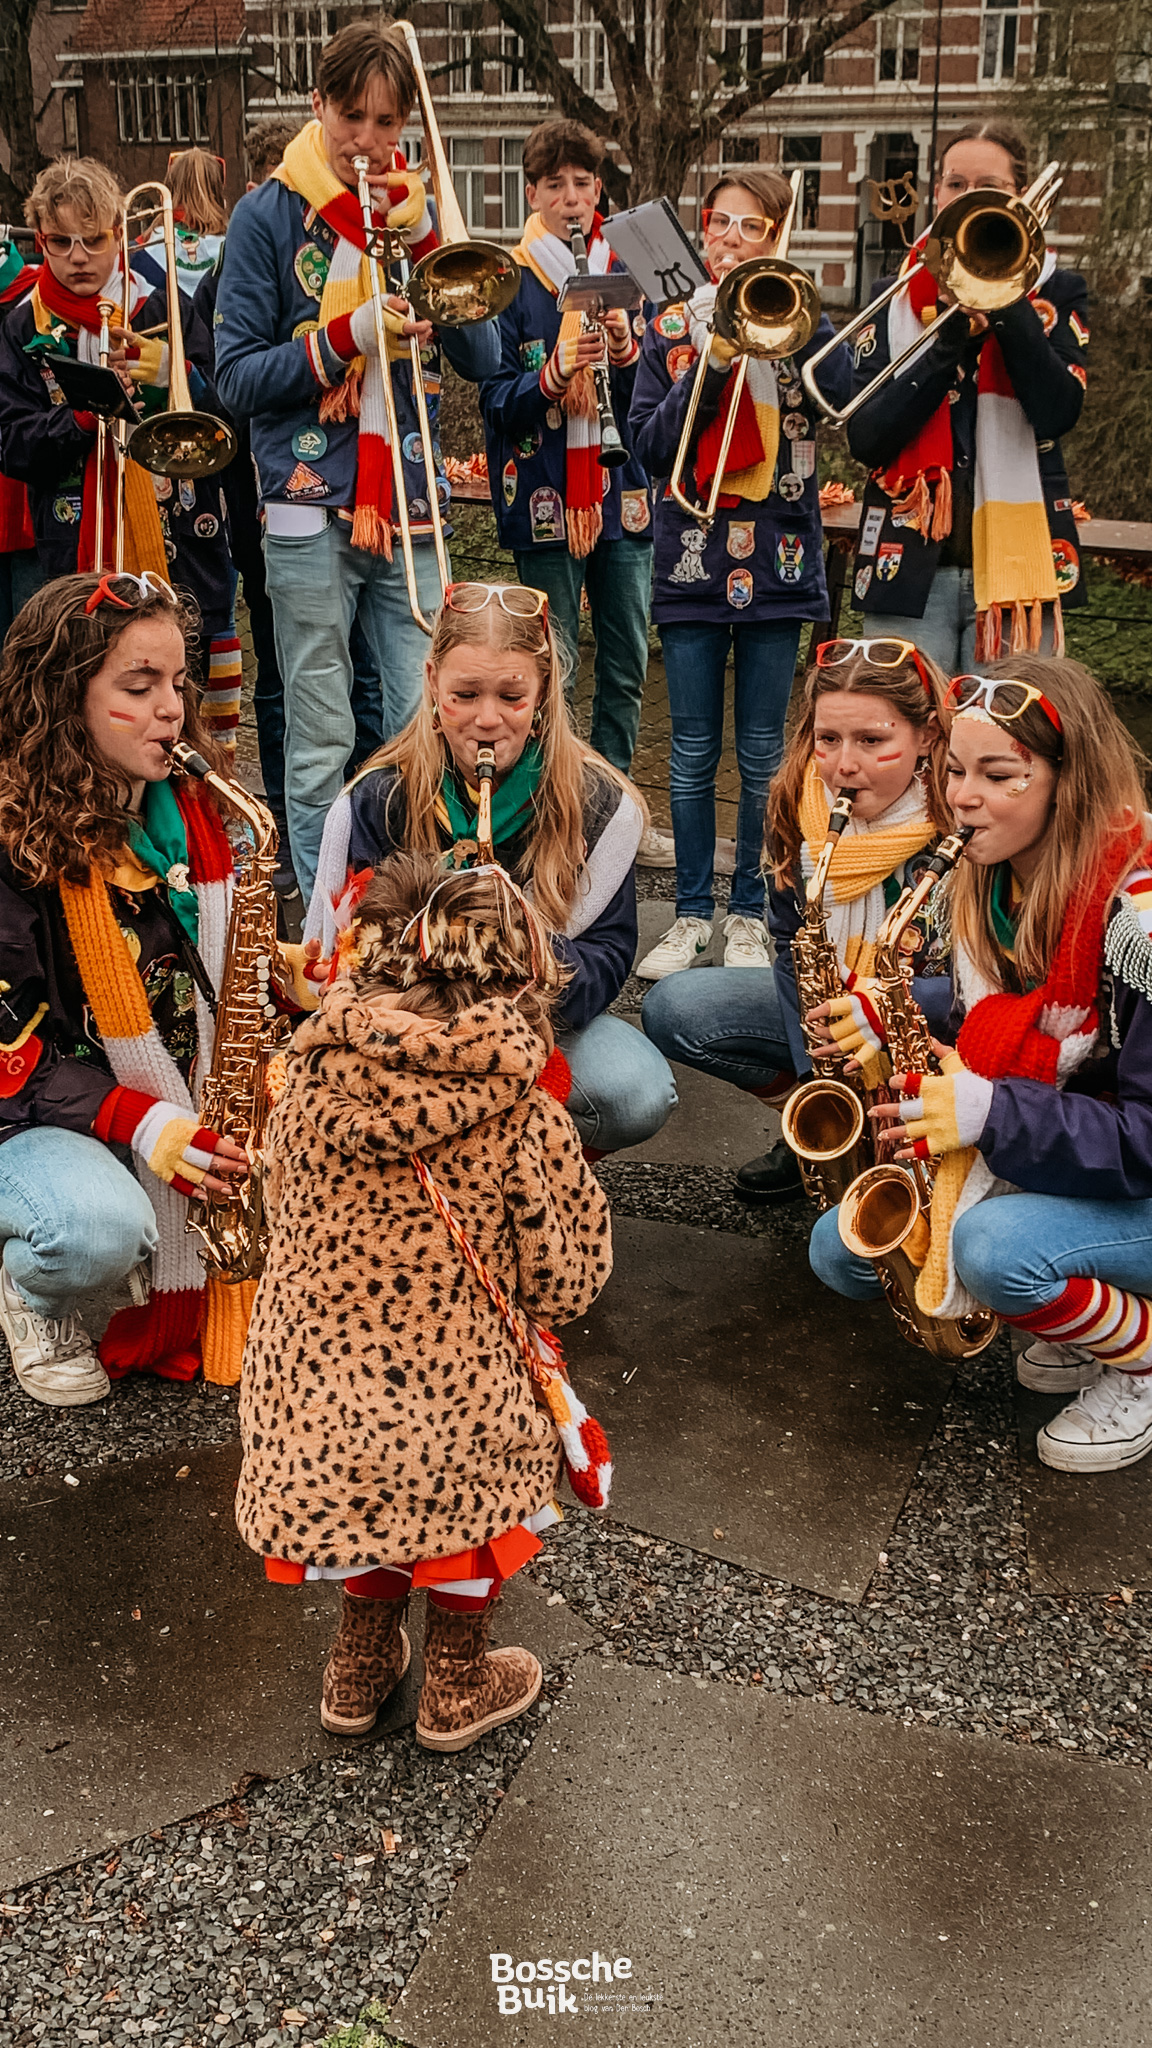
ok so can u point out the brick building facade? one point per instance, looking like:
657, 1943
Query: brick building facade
145, 76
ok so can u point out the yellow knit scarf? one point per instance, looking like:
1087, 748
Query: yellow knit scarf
862, 859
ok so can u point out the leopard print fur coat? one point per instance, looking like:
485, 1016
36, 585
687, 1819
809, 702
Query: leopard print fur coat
385, 1412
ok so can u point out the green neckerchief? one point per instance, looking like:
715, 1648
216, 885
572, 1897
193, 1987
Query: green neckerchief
159, 839
1000, 910
511, 799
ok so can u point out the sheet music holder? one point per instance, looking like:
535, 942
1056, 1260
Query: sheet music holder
651, 241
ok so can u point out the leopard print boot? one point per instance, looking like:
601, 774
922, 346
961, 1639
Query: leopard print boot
468, 1688
369, 1658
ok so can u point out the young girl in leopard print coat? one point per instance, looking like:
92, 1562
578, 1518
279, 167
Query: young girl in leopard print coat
391, 1438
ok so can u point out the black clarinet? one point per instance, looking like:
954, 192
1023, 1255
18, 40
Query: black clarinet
612, 449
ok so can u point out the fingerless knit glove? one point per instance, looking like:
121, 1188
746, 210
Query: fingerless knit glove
171, 1144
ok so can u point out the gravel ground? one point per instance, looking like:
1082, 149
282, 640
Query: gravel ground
283, 1902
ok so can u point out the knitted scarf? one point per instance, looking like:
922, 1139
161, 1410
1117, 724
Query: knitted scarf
1042, 1036
550, 260
162, 1336
360, 394
756, 434
867, 854
53, 307
1012, 565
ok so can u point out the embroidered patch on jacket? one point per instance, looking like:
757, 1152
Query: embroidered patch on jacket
680, 361
790, 557
1067, 566
671, 324
740, 588
741, 540
305, 483
1078, 329
690, 568
635, 511
533, 355
888, 560
546, 511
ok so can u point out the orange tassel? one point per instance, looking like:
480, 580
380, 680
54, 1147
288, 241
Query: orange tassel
585, 526
1057, 628
1019, 637
915, 506
942, 510
1035, 626
371, 532
580, 397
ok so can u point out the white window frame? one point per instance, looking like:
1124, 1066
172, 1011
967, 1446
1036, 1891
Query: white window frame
465, 60
468, 168
513, 204
162, 106
908, 24
999, 16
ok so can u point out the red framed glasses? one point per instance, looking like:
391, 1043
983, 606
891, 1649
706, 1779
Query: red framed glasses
1004, 701
140, 588
888, 651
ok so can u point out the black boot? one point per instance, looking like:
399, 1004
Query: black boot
774, 1177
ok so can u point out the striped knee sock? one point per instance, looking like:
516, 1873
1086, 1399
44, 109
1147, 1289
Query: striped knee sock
221, 700
1106, 1320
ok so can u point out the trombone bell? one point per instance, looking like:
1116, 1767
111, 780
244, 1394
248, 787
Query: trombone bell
183, 444
767, 307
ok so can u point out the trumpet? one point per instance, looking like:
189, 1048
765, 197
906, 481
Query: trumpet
378, 246
823, 1121
180, 442
986, 248
768, 308
884, 1215
613, 453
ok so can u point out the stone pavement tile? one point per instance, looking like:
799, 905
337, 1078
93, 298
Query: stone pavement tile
768, 1422
1085, 1535
111, 1725
800, 1877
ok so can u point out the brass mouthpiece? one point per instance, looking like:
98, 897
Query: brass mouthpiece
485, 764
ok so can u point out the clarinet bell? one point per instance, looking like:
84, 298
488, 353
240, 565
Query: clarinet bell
613, 453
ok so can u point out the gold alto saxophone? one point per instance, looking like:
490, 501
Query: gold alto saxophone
823, 1121
884, 1215
234, 1098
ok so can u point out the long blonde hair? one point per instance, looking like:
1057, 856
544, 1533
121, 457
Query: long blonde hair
555, 853
1099, 792
196, 181
903, 688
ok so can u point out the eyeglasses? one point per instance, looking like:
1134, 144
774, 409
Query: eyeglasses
141, 588
1003, 701
99, 244
883, 653
519, 600
178, 153
956, 186
754, 227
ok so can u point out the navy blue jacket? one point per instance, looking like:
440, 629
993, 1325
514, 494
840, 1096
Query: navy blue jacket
601, 957
276, 259
760, 561
1043, 343
45, 446
527, 434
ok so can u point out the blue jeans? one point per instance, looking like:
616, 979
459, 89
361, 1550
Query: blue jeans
622, 1091
745, 1028
618, 578
318, 584
947, 632
20, 578
71, 1217
1015, 1253
695, 658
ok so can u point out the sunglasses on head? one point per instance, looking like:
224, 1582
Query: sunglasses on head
518, 600
1003, 701
886, 652
133, 590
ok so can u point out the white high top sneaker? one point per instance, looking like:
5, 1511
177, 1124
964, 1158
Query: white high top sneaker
1057, 1368
53, 1358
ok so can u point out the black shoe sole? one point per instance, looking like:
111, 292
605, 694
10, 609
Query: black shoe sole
765, 1195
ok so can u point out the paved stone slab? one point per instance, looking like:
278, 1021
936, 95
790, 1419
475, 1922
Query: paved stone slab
111, 1725
798, 1877
769, 1421
1085, 1535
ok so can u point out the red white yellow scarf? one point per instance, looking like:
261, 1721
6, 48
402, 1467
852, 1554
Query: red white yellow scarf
1012, 566
360, 393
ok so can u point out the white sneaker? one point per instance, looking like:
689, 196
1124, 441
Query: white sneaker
1107, 1426
1057, 1368
680, 947
53, 1358
745, 942
656, 849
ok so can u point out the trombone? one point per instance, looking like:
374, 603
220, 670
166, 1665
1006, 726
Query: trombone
769, 308
179, 442
986, 248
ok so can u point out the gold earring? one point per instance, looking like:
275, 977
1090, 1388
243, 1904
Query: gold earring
436, 726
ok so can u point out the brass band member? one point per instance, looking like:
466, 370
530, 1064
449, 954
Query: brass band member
114, 894
869, 723
1048, 1107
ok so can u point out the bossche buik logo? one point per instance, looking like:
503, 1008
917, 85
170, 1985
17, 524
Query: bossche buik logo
543, 1986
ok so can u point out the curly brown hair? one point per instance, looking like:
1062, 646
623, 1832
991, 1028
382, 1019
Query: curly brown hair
484, 941
61, 805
